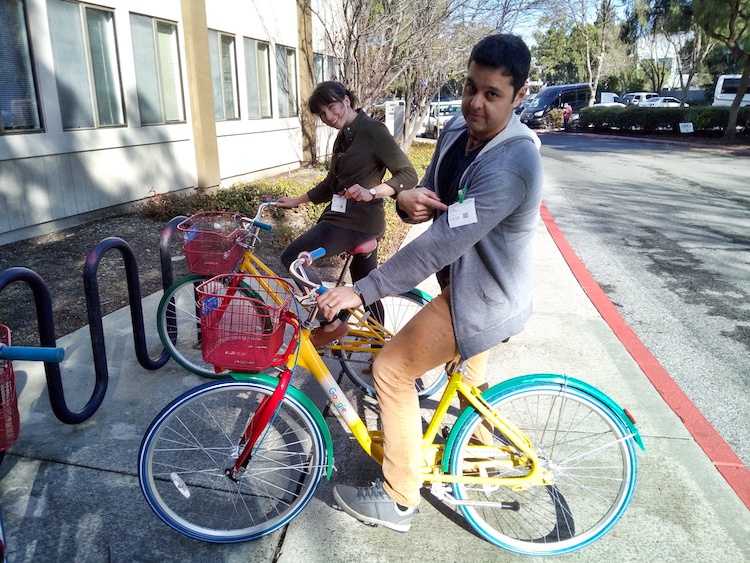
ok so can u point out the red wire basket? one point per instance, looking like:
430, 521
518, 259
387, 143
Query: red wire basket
243, 321
208, 240
9, 420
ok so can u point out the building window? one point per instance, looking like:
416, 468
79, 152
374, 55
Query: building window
258, 76
286, 78
19, 108
326, 68
224, 75
86, 68
157, 70
332, 68
319, 62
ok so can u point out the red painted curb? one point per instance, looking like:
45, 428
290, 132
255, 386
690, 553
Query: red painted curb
718, 451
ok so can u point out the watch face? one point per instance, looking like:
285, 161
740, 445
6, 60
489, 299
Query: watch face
373, 192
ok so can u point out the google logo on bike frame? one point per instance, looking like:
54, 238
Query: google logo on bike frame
337, 402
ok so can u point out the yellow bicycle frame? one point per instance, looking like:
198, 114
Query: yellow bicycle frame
520, 453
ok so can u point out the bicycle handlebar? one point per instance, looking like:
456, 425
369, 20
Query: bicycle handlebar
255, 221
297, 269
33, 353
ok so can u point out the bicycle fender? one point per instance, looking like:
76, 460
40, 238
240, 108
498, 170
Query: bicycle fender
540, 379
265, 379
421, 294
586, 388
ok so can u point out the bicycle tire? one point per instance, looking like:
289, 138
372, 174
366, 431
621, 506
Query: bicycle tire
178, 308
188, 445
585, 446
356, 352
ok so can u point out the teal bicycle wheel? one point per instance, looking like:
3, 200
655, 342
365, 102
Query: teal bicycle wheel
579, 439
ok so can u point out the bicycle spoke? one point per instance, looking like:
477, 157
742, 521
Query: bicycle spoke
583, 446
195, 440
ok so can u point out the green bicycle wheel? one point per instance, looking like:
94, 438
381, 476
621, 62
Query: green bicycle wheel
178, 324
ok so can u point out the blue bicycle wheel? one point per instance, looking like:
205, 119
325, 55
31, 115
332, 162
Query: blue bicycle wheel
579, 440
189, 445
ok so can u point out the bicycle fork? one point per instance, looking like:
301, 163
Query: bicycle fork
257, 425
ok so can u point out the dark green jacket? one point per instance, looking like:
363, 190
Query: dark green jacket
362, 153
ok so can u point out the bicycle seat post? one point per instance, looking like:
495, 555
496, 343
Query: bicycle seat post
362, 248
344, 269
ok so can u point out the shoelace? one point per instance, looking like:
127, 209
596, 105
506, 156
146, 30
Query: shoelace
374, 491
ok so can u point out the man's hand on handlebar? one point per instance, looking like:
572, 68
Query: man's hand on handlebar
336, 299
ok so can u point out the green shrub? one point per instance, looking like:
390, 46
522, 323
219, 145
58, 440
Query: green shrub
553, 120
706, 120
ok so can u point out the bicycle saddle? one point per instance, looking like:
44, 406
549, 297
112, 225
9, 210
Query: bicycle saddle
364, 247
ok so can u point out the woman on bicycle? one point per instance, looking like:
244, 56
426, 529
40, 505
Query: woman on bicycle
362, 152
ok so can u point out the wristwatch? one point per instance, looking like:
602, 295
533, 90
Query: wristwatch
373, 193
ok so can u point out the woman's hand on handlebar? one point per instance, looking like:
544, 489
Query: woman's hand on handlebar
290, 202
336, 299
287, 202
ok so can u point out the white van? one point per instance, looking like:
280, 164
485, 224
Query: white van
726, 91
635, 98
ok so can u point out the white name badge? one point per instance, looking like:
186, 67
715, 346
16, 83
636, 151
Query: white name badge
462, 213
338, 204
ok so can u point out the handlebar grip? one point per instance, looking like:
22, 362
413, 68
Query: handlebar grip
32, 353
321, 290
318, 253
264, 226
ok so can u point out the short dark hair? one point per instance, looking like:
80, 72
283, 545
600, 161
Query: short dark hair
329, 92
505, 52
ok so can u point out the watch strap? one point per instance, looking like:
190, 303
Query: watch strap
359, 294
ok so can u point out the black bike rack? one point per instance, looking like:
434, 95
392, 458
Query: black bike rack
164, 252
45, 321
93, 301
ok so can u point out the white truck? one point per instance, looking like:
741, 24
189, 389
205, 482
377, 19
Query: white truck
726, 91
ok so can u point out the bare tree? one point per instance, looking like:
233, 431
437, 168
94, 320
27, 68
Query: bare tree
411, 47
657, 66
691, 49
595, 21
669, 23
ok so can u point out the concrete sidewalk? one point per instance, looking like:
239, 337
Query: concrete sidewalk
70, 493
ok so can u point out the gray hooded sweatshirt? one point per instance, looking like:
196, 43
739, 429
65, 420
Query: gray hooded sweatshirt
491, 260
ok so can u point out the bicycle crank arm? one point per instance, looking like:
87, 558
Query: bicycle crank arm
441, 492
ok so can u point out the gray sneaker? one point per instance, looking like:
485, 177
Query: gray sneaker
372, 505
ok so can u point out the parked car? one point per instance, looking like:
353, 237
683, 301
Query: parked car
610, 105
554, 97
446, 112
429, 125
607, 99
726, 91
662, 102
525, 103
635, 98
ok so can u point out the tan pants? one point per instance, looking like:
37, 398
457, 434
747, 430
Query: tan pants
425, 342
